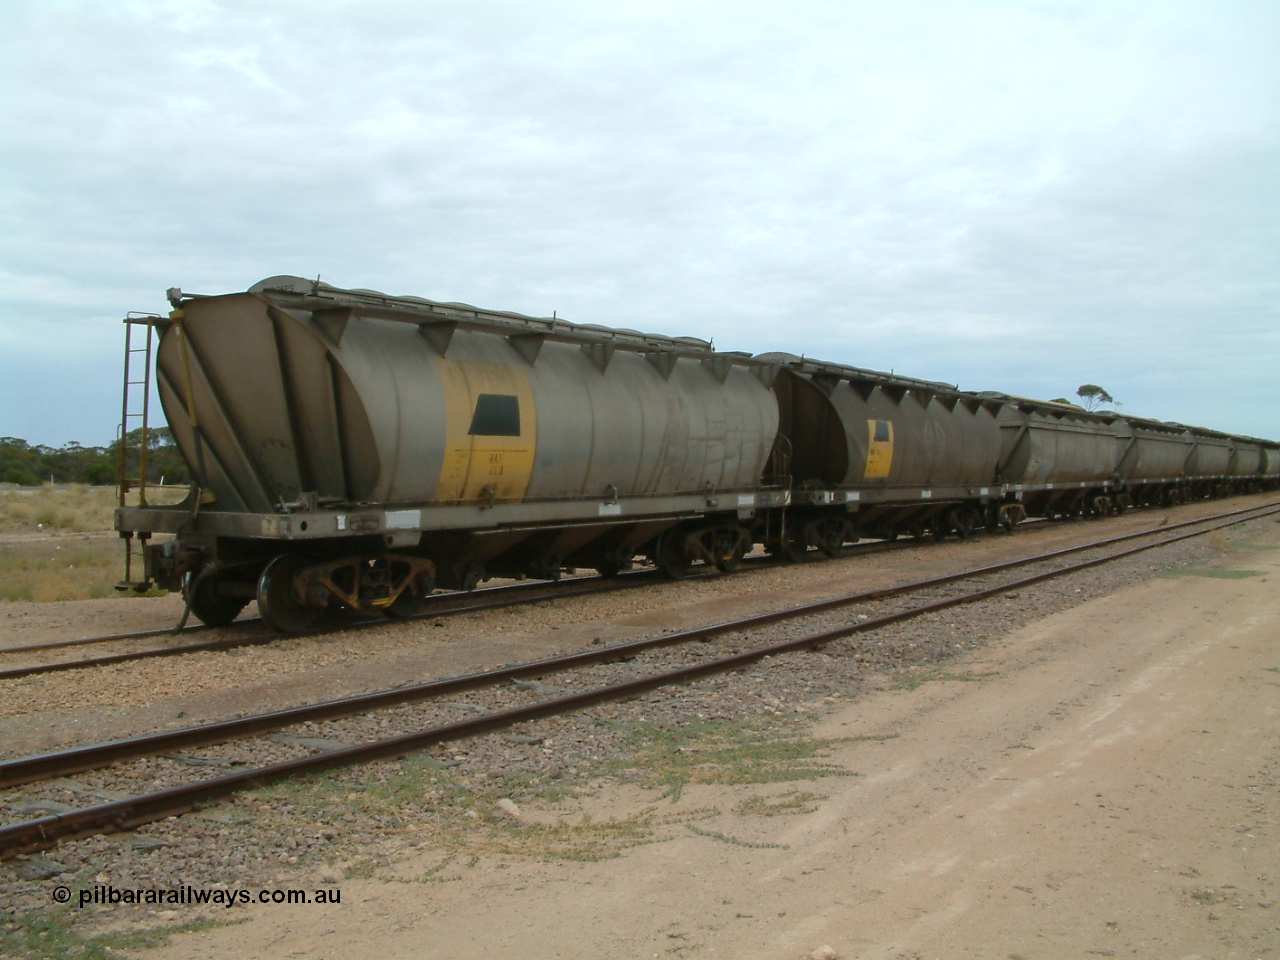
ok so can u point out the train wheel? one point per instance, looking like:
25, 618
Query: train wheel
830, 535
406, 606
1011, 514
672, 558
976, 522
412, 601
278, 603
731, 544
991, 518
731, 562
206, 603
546, 568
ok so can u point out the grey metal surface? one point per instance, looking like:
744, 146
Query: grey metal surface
938, 436
1212, 454
360, 408
1271, 466
1151, 450
1248, 459
1054, 443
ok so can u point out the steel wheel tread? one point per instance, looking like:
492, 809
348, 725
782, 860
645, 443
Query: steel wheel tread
277, 603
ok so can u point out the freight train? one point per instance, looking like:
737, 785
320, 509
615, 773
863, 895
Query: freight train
356, 450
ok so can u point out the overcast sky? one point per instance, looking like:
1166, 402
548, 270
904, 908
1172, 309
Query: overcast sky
1014, 196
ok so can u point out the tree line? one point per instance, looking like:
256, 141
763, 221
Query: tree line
31, 464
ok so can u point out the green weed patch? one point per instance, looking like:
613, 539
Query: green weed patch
914, 679
728, 752
1217, 573
48, 935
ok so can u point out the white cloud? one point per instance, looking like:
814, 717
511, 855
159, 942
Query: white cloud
1013, 196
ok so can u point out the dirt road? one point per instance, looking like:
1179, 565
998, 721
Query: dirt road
1101, 783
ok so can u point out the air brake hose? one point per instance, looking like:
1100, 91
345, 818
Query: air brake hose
193, 584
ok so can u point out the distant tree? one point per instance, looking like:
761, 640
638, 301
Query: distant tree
23, 463
1094, 396
100, 475
164, 459
19, 462
19, 474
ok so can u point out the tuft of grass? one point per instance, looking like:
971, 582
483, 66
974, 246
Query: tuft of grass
49, 935
914, 679
46, 565
757, 750
62, 569
788, 804
586, 839
455, 809
736, 841
1217, 573
72, 507
457, 813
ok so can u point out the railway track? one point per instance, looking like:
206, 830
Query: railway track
134, 811
250, 631
255, 634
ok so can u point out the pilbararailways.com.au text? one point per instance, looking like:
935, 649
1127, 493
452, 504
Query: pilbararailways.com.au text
107, 894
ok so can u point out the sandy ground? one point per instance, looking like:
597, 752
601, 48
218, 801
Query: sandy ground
1106, 786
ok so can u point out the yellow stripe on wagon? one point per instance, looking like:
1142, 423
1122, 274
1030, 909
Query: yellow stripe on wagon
879, 449
491, 431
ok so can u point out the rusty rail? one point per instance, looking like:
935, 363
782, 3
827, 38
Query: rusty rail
541, 592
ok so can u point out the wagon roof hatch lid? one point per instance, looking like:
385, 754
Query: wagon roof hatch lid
1051, 408
840, 371
1156, 426
315, 296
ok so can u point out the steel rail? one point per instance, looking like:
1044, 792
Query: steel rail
540, 591
552, 593
260, 639
253, 621
553, 589
135, 811
550, 590
78, 759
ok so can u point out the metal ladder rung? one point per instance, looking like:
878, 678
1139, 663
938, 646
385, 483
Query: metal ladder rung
127, 417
